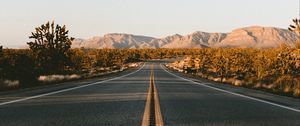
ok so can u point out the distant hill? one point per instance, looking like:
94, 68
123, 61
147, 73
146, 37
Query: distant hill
258, 37
115, 40
254, 37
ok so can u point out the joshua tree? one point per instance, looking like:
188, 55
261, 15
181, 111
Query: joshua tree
1, 72
1, 49
296, 28
50, 46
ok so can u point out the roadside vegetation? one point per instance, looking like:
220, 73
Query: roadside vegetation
21, 68
49, 59
276, 70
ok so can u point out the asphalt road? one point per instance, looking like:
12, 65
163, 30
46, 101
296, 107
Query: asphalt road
121, 101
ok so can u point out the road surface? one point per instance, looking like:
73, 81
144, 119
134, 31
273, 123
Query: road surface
121, 100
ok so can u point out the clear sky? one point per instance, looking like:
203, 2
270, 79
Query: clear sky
157, 18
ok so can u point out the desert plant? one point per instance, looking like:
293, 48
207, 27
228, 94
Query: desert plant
296, 27
1, 63
80, 59
18, 65
1, 50
50, 46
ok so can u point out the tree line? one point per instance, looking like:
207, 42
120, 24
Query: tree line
26, 65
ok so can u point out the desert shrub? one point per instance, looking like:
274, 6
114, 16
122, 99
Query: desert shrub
18, 65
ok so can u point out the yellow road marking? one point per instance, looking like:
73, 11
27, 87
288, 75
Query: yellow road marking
146, 117
158, 116
152, 100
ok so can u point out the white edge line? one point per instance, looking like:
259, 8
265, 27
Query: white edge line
236, 94
68, 89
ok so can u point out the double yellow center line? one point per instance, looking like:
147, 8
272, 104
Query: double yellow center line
152, 113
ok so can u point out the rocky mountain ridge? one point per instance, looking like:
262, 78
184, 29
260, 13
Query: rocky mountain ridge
253, 37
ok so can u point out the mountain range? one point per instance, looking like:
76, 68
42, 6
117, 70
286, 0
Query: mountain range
252, 37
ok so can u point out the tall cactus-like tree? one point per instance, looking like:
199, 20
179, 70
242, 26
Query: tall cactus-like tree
296, 27
1, 73
50, 46
1, 47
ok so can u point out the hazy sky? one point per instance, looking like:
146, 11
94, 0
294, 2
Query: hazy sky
157, 18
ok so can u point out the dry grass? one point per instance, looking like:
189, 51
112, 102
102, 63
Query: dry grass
9, 84
288, 84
